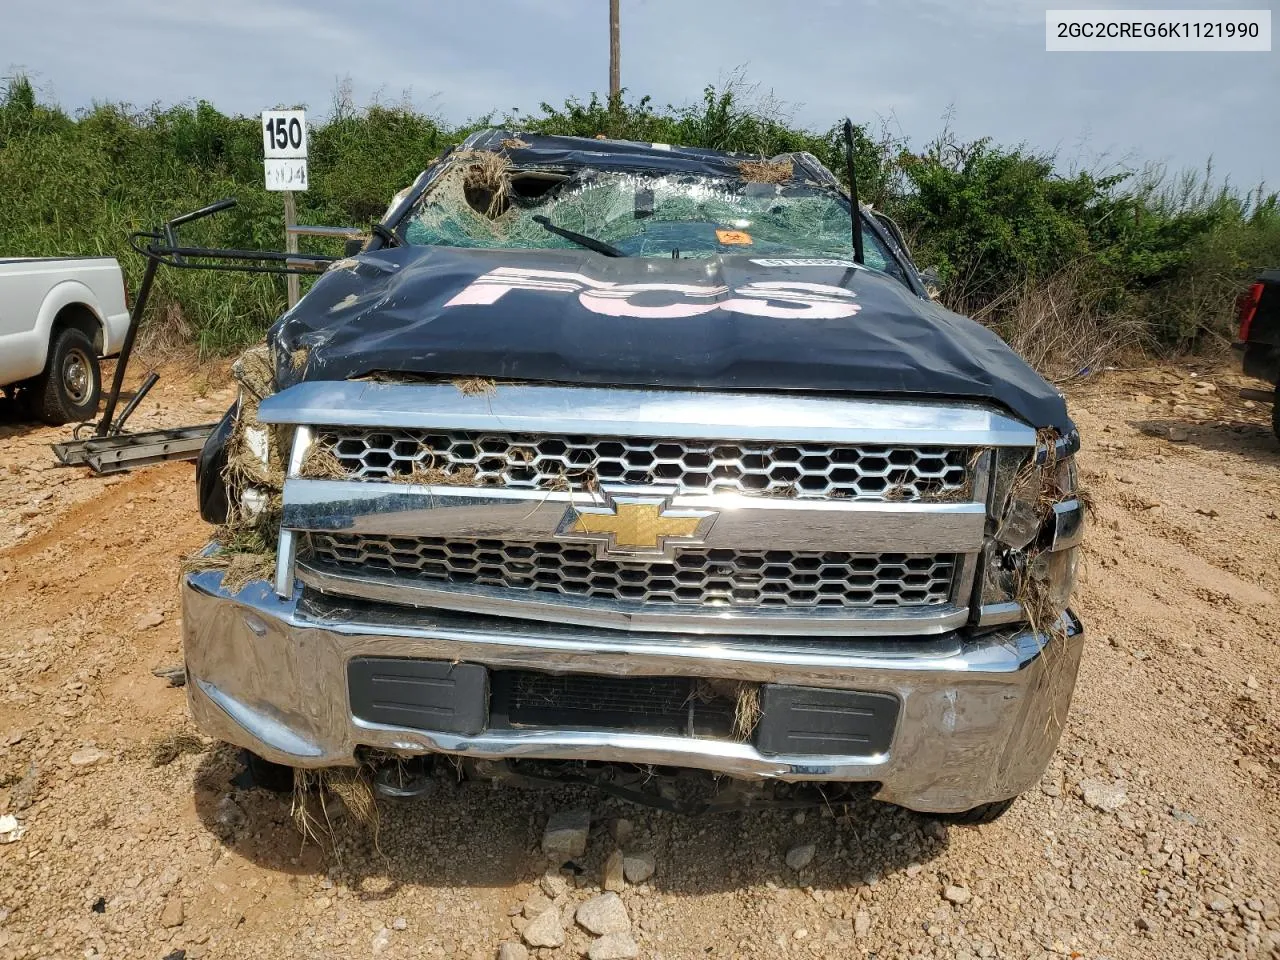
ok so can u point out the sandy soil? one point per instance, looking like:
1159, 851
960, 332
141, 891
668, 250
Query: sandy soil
125, 853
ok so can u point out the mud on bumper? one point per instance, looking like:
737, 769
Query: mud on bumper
942, 724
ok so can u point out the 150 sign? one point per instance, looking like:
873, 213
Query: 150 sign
284, 149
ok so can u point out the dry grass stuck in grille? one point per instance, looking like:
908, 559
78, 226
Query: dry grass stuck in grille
1045, 615
321, 463
242, 554
252, 461
746, 702
432, 475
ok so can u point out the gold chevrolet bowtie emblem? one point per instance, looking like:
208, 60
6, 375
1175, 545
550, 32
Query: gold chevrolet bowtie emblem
635, 525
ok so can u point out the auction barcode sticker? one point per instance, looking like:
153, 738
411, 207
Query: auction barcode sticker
1117, 31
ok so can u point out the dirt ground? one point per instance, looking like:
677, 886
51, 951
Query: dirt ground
126, 850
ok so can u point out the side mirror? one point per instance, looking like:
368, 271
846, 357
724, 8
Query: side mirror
353, 246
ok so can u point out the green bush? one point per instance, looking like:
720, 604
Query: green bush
1163, 257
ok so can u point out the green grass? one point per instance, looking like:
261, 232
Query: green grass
1163, 256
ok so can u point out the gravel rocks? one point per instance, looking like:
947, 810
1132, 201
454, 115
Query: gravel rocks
24, 791
957, 895
639, 867
614, 879
172, 915
553, 883
613, 946
621, 829
11, 829
512, 951
536, 906
150, 620
603, 915
544, 930
1103, 795
801, 855
861, 924
566, 833
87, 757
229, 815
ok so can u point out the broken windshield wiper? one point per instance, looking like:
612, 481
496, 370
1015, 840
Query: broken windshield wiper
581, 239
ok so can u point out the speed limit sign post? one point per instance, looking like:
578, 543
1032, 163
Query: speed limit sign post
284, 152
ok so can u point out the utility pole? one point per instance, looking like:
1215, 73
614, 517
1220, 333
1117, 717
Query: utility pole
615, 54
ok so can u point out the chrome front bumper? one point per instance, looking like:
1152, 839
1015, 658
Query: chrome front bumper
980, 716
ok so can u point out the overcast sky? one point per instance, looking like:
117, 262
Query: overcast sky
908, 62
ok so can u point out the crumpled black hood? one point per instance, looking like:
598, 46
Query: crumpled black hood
730, 322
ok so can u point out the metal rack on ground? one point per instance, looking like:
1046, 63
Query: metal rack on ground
104, 446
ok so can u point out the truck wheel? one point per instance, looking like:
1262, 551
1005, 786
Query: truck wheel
71, 385
265, 774
987, 813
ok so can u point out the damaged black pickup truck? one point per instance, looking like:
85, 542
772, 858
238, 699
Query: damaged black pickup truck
616, 459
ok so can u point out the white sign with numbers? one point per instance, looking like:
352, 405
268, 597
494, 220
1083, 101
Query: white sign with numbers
284, 148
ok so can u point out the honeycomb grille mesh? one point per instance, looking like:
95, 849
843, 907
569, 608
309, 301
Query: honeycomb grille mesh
543, 461
702, 577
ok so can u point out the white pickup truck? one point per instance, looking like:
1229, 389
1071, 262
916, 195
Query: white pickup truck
58, 316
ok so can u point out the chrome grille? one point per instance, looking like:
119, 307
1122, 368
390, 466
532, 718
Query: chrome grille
709, 578
542, 461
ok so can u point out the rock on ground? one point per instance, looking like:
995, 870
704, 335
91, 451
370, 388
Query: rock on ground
11, 829
613, 946
801, 855
544, 930
537, 904
1103, 795
603, 915
150, 619
512, 951
957, 895
87, 757
553, 883
230, 815
639, 867
566, 833
614, 879
620, 828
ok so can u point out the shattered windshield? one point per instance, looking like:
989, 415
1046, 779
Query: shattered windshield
484, 203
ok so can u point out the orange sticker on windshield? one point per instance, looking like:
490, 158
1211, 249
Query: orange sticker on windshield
733, 238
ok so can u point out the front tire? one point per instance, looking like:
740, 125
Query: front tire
69, 389
987, 813
269, 776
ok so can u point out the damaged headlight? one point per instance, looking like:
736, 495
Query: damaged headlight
1029, 571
